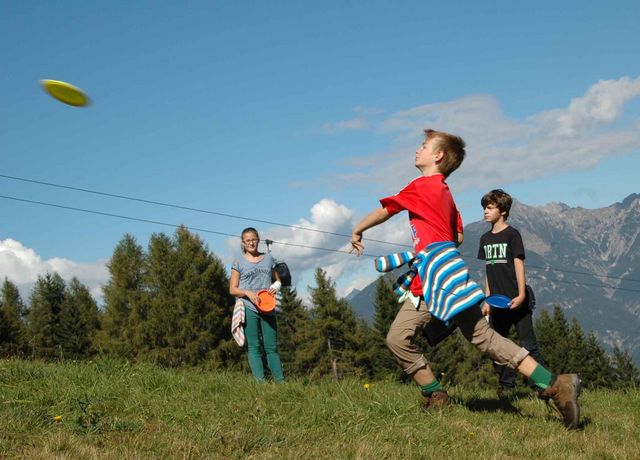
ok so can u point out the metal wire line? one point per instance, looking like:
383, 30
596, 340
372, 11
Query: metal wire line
187, 208
156, 222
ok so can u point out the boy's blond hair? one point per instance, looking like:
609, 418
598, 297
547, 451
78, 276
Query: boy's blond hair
452, 146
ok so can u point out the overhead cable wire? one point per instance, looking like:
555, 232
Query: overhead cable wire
562, 270
188, 208
481, 270
166, 224
204, 230
250, 219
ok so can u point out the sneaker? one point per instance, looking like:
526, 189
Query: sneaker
435, 401
564, 392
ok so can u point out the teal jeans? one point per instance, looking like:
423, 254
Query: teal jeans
267, 324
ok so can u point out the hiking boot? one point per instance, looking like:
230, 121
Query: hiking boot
435, 401
564, 392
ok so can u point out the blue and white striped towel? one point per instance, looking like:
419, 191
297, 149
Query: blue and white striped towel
446, 286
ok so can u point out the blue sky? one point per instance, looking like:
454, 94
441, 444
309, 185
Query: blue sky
303, 113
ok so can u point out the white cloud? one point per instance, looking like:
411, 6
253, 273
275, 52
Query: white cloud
353, 124
22, 266
503, 150
500, 150
301, 248
358, 123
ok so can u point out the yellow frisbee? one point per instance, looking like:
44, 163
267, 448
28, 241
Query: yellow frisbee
65, 92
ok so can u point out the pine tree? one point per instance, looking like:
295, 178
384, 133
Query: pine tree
362, 350
123, 295
597, 372
552, 332
12, 320
625, 373
577, 356
155, 338
46, 336
78, 321
334, 323
294, 327
201, 298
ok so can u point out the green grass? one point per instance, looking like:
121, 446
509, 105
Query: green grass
112, 409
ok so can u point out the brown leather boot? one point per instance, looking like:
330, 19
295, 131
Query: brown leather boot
435, 401
564, 392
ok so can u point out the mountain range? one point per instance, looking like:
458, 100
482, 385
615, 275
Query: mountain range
587, 261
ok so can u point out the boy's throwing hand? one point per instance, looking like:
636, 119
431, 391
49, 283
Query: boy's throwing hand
356, 244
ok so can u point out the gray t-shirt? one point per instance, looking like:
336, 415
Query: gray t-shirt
254, 276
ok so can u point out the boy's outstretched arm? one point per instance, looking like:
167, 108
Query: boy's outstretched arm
375, 217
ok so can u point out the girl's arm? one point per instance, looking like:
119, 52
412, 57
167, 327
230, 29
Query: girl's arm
275, 287
235, 291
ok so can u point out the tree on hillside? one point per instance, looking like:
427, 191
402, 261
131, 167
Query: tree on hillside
334, 327
186, 305
12, 320
123, 297
294, 328
566, 350
625, 373
577, 358
78, 321
44, 317
597, 372
362, 356
201, 298
552, 332
157, 337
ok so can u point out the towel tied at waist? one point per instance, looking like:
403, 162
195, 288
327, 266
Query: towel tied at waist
237, 320
446, 287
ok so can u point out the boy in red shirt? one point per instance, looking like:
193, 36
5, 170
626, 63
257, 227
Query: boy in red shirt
448, 294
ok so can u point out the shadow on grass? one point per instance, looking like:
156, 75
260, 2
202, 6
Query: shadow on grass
584, 422
490, 405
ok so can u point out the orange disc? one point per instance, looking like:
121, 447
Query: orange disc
267, 301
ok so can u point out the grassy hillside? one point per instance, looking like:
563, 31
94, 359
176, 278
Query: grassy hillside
112, 409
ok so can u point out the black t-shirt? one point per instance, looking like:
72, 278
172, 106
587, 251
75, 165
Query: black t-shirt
499, 250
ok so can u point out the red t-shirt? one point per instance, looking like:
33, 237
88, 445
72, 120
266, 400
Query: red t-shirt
433, 216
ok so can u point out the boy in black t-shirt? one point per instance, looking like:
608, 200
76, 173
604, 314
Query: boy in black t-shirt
503, 251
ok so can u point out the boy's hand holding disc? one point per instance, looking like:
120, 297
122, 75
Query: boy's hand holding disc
499, 301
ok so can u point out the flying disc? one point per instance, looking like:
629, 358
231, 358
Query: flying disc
267, 301
498, 301
65, 92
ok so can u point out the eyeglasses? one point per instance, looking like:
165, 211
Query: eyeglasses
250, 241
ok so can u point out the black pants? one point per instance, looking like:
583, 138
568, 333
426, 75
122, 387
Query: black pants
522, 318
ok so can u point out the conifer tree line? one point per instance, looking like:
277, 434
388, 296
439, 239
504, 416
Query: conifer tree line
169, 304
